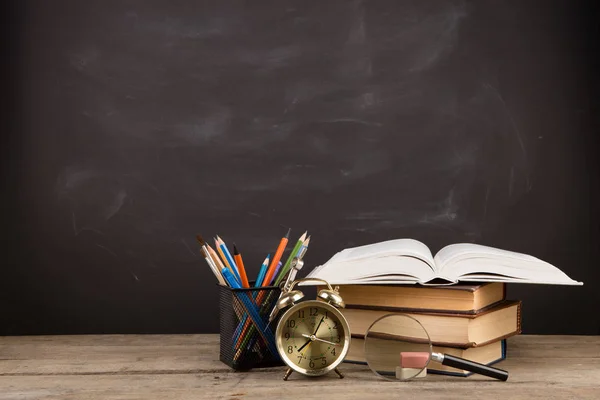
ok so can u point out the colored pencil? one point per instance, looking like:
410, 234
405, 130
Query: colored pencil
226, 256
293, 253
253, 313
280, 249
276, 271
211, 263
262, 272
266, 281
240, 266
213, 255
213, 267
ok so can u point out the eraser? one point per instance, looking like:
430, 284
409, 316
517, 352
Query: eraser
409, 373
414, 359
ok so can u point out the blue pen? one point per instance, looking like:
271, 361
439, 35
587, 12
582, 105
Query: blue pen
230, 261
250, 307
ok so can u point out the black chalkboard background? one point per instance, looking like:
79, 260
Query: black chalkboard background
134, 125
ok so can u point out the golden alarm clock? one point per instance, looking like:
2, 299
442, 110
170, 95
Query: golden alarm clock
312, 337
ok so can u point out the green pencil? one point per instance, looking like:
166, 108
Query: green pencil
286, 266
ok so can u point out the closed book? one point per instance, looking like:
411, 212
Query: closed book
451, 329
461, 298
488, 354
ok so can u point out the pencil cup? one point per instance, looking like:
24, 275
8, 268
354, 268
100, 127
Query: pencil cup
247, 338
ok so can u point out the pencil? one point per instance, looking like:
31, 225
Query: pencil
262, 271
213, 255
240, 266
276, 258
226, 256
267, 279
286, 266
276, 271
211, 263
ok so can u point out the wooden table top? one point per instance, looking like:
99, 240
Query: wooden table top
170, 367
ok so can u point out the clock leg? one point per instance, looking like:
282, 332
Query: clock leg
337, 371
287, 374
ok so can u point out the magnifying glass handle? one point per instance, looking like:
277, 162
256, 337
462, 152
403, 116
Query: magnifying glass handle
471, 366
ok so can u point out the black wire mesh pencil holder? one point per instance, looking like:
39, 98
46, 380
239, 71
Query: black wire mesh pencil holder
246, 338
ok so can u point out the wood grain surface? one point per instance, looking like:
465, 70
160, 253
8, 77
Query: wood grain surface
188, 367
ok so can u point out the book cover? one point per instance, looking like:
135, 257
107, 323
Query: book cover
451, 329
461, 298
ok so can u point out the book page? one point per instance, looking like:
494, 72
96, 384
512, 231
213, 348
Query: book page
473, 262
397, 247
394, 261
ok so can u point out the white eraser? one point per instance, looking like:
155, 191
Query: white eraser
408, 373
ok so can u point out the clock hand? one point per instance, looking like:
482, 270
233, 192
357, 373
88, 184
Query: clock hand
318, 326
313, 337
305, 344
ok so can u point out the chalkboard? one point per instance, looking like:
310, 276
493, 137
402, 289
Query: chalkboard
139, 124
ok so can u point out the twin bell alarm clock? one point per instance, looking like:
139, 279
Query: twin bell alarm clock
312, 336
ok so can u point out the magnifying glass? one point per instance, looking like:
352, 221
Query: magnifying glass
398, 347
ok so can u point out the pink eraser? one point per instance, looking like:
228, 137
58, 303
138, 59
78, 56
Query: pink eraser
413, 359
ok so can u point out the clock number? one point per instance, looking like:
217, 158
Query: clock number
312, 364
291, 323
287, 336
333, 352
290, 349
301, 314
314, 311
323, 361
337, 340
299, 359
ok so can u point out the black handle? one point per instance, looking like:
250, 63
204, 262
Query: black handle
477, 368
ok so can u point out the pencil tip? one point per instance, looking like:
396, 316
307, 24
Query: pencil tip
303, 236
287, 235
235, 250
200, 240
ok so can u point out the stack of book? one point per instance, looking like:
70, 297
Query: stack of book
468, 321
463, 316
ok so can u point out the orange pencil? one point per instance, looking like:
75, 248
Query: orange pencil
240, 266
276, 258
267, 279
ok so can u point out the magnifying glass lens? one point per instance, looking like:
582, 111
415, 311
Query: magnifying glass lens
397, 347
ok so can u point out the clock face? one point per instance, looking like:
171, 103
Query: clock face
313, 337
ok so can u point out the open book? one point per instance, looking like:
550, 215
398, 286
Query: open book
404, 261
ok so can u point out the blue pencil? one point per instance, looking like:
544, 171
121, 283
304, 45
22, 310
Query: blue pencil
262, 271
254, 315
229, 259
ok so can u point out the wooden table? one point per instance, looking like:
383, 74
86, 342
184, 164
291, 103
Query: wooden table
171, 367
